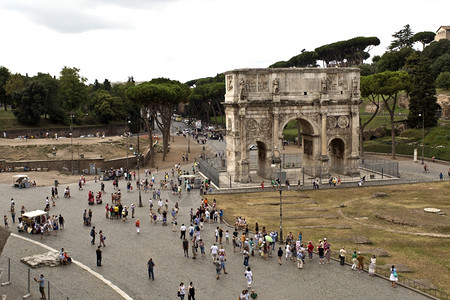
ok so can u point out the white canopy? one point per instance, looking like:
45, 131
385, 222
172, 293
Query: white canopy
35, 213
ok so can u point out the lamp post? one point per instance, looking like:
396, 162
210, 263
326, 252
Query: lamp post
139, 164
71, 135
277, 160
127, 126
189, 143
423, 134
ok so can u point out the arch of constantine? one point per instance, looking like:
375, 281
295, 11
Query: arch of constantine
260, 102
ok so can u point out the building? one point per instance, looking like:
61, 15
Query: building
442, 33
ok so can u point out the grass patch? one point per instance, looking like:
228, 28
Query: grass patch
427, 257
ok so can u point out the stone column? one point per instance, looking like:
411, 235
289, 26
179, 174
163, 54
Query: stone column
353, 159
324, 159
244, 163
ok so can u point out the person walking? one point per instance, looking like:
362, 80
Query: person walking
5, 219
93, 234
393, 277
310, 250
150, 266
138, 226
13, 214
342, 253
191, 291
99, 256
41, 282
372, 266
181, 291
354, 260
102, 238
186, 247
182, 231
249, 276
280, 255
218, 265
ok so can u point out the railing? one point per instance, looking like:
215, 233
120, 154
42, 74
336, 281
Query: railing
17, 280
403, 280
384, 167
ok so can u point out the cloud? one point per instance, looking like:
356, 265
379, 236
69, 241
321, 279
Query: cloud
78, 16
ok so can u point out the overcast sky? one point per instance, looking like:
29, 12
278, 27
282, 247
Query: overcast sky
189, 39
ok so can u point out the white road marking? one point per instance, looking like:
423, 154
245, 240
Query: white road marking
81, 265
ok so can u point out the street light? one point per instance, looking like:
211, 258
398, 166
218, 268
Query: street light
189, 143
71, 135
277, 160
139, 164
127, 126
423, 134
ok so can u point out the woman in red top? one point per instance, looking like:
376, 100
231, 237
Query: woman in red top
310, 249
138, 225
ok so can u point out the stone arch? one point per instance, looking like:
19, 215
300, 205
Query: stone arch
438, 111
337, 155
263, 160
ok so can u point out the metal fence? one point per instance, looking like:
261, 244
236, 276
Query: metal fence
384, 167
386, 272
17, 281
208, 168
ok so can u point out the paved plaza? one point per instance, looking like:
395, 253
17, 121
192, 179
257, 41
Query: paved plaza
124, 271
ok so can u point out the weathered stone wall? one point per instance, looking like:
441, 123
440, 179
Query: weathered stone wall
444, 102
260, 102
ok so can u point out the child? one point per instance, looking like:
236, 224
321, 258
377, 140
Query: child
227, 237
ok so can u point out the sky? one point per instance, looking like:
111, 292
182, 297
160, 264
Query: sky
189, 39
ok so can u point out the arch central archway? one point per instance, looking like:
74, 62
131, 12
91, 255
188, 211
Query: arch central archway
260, 102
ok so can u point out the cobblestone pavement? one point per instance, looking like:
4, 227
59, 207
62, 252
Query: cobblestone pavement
126, 254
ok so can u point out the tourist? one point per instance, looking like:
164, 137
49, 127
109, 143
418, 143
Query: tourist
61, 222
253, 295
222, 258
150, 266
214, 251
326, 247
181, 291
13, 214
5, 219
41, 282
99, 256
182, 231
372, 266
360, 259
393, 277
194, 248
102, 238
321, 251
138, 226
354, 260
218, 266
249, 276
280, 255
246, 255
186, 247
202, 247
93, 233
244, 295
191, 291
342, 253
310, 249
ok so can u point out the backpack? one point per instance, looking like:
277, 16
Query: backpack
92, 232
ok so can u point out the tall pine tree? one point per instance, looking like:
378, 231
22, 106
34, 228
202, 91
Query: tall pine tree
422, 97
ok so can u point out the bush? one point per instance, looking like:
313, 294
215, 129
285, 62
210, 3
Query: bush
443, 81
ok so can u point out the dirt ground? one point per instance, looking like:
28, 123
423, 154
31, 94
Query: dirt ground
110, 147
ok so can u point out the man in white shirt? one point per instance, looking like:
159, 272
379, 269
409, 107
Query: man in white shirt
214, 249
182, 231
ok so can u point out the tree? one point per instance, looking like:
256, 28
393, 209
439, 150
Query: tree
368, 91
52, 103
14, 85
422, 97
388, 85
73, 90
424, 37
393, 61
440, 64
4, 77
30, 103
106, 107
436, 49
402, 39
107, 85
443, 81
